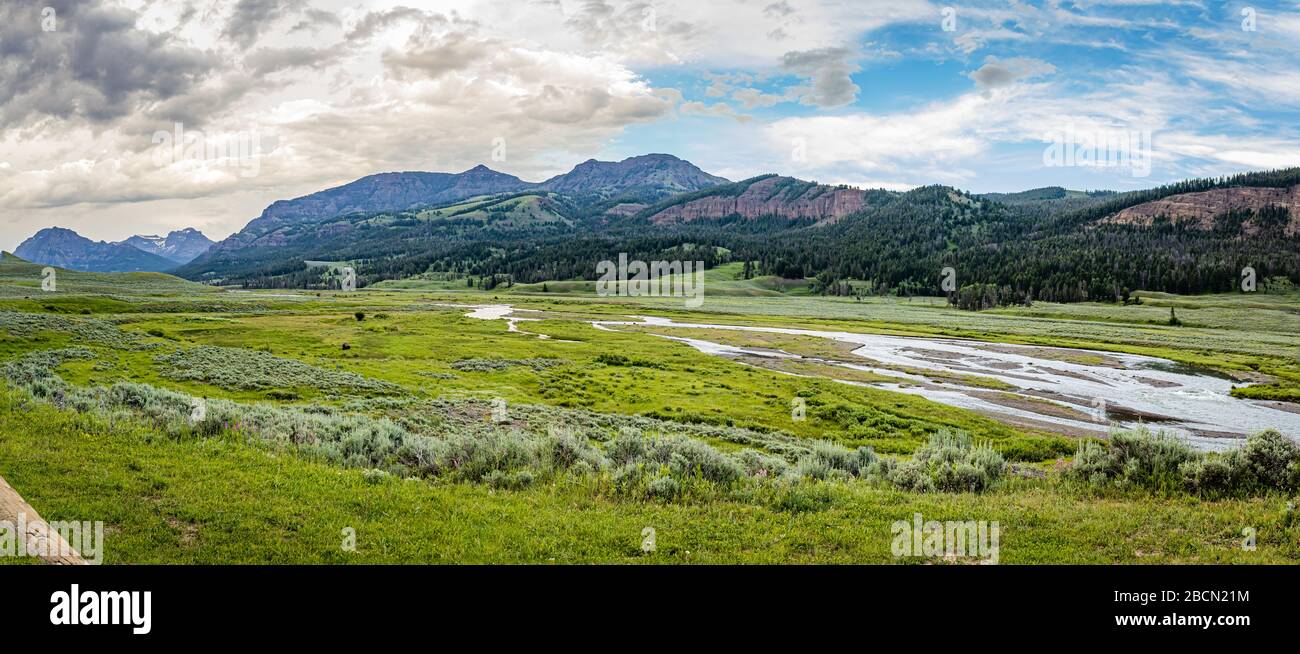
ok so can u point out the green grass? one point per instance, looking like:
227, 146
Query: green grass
223, 501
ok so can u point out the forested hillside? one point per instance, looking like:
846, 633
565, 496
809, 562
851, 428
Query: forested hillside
1047, 244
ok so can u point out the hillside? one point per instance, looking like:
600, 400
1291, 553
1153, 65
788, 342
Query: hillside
768, 195
21, 278
1044, 244
375, 193
1254, 208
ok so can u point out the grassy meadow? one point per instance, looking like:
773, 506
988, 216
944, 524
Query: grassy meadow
439, 437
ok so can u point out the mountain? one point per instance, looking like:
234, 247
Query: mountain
382, 192
651, 176
647, 177
56, 246
180, 246
387, 206
1050, 244
766, 195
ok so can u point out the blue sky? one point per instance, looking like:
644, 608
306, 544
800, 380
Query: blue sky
289, 97
1080, 63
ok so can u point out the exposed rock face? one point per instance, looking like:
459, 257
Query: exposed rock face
626, 209
1200, 209
772, 196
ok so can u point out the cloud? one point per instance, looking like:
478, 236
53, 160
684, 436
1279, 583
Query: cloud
314, 20
249, 18
717, 109
935, 136
828, 71
995, 73
94, 66
265, 61
423, 91
338, 89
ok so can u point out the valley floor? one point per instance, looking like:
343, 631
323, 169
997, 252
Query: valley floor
394, 364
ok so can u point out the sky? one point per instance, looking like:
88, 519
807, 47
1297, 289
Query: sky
121, 117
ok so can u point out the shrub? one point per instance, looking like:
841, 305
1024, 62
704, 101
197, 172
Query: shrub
1209, 475
515, 480
359, 316
564, 449
912, 476
243, 369
801, 497
827, 460
951, 462
1133, 459
685, 457
664, 488
492, 365
1267, 461
762, 466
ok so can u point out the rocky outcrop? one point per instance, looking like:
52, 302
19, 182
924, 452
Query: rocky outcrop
1200, 209
771, 196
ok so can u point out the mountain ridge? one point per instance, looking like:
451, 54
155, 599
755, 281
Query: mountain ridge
655, 175
1050, 243
180, 246
65, 248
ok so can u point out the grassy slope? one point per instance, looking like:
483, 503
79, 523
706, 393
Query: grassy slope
228, 502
